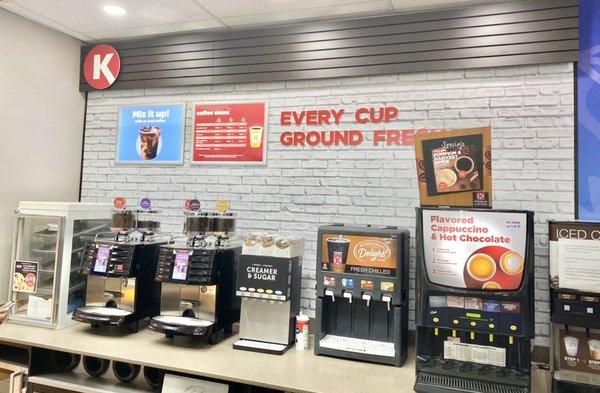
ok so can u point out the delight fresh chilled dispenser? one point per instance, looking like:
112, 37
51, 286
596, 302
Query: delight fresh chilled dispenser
474, 306
574, 247
362, 293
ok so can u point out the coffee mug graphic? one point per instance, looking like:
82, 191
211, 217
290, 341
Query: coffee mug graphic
464, 164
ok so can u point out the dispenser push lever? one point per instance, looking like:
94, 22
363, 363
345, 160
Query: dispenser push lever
388, 300
348, 295
329, 292
367, 298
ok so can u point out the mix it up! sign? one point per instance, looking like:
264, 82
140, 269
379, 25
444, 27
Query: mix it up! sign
363, 117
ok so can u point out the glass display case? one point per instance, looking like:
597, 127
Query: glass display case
46, 284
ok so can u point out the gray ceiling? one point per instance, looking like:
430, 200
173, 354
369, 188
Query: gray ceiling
86, 20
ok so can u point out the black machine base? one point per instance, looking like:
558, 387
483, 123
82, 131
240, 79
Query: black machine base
573, 387
123, 321
435, 383
170, 330
262, 347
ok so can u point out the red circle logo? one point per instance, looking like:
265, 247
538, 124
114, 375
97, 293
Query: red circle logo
101, 66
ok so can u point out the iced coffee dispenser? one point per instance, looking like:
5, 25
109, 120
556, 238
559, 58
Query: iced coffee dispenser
362, 293
574, 248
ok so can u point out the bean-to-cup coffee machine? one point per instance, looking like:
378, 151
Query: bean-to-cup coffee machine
574, 250
269, 280
120, 267
197, 277
474, 310
362, 293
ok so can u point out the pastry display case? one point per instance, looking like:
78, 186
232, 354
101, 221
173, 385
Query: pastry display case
48, 245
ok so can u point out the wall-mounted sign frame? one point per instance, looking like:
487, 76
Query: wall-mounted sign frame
229, 133
151, 134
454, 168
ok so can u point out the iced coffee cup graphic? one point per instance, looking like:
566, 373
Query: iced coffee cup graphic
149, 140
337, 251
481, 267
594, 349
256, 136
511, 263
571, 348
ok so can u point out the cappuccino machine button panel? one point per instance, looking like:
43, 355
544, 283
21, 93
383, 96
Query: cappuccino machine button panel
362, 293
574, 250
269, 288
474, 310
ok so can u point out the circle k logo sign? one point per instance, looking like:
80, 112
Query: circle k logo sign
101, 66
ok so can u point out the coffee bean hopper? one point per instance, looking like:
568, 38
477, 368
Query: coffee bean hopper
197, 277
120, 267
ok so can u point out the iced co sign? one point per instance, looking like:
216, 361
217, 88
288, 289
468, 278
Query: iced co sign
101, 66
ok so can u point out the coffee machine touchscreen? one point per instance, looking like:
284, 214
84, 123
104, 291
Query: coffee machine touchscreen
102, 257
180, 265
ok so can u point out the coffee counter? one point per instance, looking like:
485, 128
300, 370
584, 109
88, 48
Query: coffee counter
294, 371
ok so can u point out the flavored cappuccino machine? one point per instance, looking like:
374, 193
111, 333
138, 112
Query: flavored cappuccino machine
120, 267
362, 293
474, 311
197, 277
575, 306
269, 281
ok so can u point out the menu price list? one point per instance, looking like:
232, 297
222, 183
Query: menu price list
229, 133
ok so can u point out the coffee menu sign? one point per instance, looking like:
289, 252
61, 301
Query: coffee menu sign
475, 249
454, 168
150, 134
357, 254
230, 133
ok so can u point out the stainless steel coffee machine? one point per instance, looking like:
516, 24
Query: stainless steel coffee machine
197, 277
269, 282
120, 267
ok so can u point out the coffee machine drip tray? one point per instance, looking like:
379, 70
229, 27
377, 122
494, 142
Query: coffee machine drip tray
358, 345
182, 326
102, 315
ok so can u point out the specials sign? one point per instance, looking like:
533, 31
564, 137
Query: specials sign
475, 249
358, 254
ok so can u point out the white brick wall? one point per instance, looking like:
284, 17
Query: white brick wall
529, 108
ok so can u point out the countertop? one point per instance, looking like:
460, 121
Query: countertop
294, 371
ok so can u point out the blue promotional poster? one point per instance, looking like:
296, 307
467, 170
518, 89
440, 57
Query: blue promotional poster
151, 134
588, 111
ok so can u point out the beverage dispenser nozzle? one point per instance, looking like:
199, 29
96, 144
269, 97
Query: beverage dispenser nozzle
511, 340
472, 334
453, 333
367, 297
348, 295
491, 338
329, 292
388, 300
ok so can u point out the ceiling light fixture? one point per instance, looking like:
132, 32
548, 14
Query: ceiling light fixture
114, 10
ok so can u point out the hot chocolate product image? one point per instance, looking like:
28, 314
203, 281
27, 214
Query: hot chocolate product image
149, 141
481, 267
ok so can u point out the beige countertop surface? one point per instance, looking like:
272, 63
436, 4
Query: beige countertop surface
294, 371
